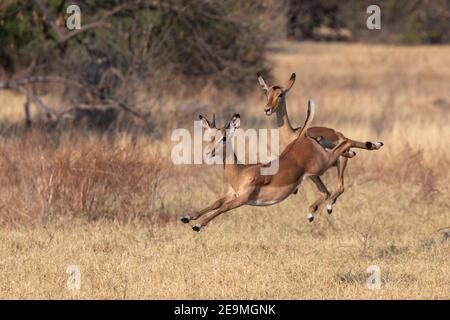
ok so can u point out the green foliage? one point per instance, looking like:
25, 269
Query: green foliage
18, 33
217, 41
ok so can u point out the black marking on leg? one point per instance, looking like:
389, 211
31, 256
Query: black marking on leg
295, 191
325, 143
196, 228
369, 145
185, 219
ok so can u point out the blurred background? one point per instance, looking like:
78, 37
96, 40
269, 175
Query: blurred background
86, 118
131, 55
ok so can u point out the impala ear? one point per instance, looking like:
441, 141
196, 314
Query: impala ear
235, 121
290, 83
205, 122
262, 83
213, 121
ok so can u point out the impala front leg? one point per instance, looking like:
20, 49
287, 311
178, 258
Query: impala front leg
342, 164
325, 194
227, 206
198, 214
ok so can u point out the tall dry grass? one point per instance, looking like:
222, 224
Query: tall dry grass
90, 178
109, 203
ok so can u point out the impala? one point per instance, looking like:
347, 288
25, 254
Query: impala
328, 138
247, 186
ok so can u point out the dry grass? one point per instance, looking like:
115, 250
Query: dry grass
108, 205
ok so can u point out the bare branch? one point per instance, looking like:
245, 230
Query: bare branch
130, 110
38, 102
26, 109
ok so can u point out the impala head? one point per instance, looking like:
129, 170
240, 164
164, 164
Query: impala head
218, 137
276, 95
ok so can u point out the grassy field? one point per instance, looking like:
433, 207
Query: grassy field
111, 207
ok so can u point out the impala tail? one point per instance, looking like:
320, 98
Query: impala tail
309, 118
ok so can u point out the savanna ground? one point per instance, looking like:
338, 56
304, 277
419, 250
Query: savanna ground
111, 206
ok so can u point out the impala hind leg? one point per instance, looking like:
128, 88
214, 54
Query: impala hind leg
345, 144
349, 154
327, 144
316, 205
366, 145
341, 165
198, 214
341, 147
226, 206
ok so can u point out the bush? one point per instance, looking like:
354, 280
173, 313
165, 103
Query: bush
152, 42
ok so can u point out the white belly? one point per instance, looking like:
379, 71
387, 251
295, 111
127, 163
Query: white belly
262, 203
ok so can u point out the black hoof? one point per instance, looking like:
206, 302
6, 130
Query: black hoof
329, 211
382, 144
196, 228
310, 218
185, 219
295, 191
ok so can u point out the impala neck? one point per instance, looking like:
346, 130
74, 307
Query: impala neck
286, 130
230, 165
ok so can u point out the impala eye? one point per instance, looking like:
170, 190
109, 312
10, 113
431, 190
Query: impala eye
280, 95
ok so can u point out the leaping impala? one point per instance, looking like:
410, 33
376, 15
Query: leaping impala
247, 186
329, 138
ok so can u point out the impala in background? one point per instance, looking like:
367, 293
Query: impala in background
328, 138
